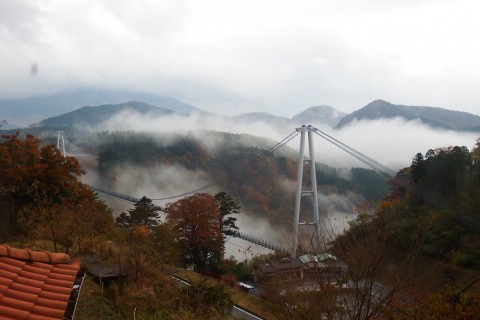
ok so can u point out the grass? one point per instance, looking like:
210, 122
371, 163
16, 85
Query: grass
246, 301
92, 304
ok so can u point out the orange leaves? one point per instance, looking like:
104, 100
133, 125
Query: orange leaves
195, 222
40, 192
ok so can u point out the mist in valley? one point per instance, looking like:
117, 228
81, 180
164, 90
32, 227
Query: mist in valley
393, 142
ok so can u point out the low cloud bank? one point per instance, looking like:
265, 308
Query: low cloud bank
393, 142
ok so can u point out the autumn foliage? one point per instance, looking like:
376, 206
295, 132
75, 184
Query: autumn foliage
42, 198
196, 225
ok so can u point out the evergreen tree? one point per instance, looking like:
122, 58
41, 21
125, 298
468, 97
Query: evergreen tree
145, 213
227, 206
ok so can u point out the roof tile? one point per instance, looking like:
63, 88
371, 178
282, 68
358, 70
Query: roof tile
27, 254
53, 296
48, 312
35, 285
55, 289
54, 304
8, 267
25, 288
6, 311
16, 303
15, 294
29, 282
32, 275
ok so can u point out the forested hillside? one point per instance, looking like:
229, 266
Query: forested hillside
434, 206
263, 183
431, 211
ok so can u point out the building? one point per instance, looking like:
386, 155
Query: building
325, 267
285, 269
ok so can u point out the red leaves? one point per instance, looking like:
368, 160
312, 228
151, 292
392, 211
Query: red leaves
195, 221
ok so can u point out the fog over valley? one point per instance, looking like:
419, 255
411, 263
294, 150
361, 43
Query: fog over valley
393, 142
321, 156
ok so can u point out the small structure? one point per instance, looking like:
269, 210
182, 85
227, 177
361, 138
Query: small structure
324, 267
38, 285
101, 271
285, 269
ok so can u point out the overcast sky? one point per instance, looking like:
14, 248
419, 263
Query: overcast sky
231, 57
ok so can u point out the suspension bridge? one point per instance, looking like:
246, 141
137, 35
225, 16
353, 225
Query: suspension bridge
305, 132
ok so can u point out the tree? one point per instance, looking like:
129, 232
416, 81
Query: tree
31, 176
145, 213
227, 207
418, 168
92, 223
445, 304
49, 221
195, 222
42, 198
163, 242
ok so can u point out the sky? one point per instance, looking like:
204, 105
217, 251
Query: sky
232, 57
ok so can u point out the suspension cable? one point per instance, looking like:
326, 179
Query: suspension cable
260, 157
430, 196
355, 153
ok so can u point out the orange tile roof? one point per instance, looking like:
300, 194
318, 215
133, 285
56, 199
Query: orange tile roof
35, 285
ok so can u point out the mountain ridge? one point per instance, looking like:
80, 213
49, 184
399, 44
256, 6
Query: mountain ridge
321, 115
35, 109
432, 116
94, 115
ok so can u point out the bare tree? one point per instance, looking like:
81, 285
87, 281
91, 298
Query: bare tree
358, 280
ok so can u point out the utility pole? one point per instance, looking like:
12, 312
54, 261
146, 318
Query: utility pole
301, 192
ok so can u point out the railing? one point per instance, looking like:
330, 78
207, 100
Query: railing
114, 194
264, 243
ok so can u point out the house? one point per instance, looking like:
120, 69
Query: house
38, 285
285, 269
325, 267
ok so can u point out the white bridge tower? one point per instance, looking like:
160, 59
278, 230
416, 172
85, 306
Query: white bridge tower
306, 192
61, 140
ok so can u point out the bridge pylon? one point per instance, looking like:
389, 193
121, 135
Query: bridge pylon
303, 191
61, 142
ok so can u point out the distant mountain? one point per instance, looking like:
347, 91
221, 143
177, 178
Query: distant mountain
261, 117
318, 116
93, 116
34, 109
434, 117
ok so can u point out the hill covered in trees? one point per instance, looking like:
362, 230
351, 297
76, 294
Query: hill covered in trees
263, 182
435, 205
431, 211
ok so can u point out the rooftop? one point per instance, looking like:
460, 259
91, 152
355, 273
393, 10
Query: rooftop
36, 285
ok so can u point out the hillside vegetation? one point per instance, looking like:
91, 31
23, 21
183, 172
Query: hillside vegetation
432, 210
264, 184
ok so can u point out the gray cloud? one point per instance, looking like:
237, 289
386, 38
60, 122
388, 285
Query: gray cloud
276, 56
